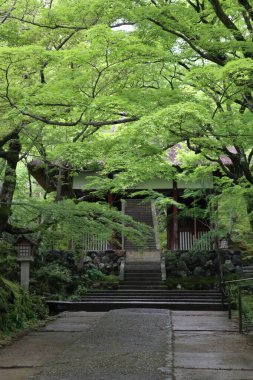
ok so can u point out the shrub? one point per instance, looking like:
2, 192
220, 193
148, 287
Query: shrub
192, 282
18, 309
52, 278
8, 261
95, 274
171, 262
80, 292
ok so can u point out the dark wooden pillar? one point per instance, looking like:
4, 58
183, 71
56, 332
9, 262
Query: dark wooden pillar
110, 199
172, 231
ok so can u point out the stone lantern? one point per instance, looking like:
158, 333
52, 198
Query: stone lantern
224, 243
25, 247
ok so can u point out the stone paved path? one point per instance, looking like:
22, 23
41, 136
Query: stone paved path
207, 346
132, 344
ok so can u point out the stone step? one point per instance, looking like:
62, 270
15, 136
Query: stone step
151, 297
154, 298
165, 291
143, 273
157, 302
143, 276
154, 293
140, 269
246, 270
135, 247
156, 287
140, 277
143, 260
142, 266
146, 271
138, 263
138, 257
57, 306
140, 216
141, 282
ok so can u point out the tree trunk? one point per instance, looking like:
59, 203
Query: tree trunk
9, 182
249, 202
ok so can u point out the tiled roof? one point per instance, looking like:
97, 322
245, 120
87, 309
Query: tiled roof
174, 160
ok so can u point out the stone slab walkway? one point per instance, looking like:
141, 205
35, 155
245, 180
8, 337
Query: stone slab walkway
132, 344
30, 354
207, 346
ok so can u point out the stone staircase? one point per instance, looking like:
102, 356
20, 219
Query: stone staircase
142, 275
248, 271
142, 287
143, 213
104, 300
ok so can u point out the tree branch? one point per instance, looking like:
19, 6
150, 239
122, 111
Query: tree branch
226, 20
65, 40
52, 27
110, 122
12, 135
79, 120
248, 7
219, 59
123, 23
250, 156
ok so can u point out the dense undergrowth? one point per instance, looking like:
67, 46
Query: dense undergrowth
18, 309
246, 291
197, 282
58, 276
54, 275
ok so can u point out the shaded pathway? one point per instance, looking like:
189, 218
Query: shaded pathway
132, 344
28, 355
207, 346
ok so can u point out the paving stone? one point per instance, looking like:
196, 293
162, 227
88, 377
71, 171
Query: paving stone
203, 321
16, 373
208, 347
216, 374
29, 354
125, 344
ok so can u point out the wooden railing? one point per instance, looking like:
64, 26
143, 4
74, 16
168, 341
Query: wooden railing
240, 286
95, 243
187, 240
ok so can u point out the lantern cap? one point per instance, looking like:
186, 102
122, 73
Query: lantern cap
24, 240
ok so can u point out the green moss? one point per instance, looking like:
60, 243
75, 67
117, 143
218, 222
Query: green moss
95, 275
18, 308
111, 279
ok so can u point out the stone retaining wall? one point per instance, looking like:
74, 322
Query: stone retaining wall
107, 261
182, 263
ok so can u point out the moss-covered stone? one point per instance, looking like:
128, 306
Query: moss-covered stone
18, 309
